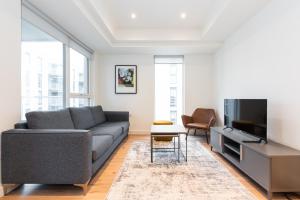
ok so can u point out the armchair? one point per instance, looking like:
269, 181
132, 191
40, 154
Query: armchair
202, 119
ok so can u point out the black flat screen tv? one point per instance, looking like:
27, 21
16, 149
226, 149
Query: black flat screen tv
247, 115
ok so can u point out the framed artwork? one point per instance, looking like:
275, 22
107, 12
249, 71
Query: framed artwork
125, 79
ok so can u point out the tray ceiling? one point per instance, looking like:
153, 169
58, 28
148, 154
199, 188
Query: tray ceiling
158, 26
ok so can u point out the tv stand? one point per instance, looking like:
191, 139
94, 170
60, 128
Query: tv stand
273, 166
255, 141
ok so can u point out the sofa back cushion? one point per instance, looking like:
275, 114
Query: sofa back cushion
82, 118
60, 119
98, 114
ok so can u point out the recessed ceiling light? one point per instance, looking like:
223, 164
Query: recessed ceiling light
133, 15
183, 15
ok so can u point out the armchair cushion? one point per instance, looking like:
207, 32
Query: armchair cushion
60, 119
197, 125
203, 115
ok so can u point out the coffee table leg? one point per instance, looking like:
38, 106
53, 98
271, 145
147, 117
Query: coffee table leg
151, 144
178, 148
174, 142
186, 147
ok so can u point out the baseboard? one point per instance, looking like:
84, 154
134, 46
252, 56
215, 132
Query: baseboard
139, 132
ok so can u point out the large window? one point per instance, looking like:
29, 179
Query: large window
79, 79
42, 70
55, 65
168, 88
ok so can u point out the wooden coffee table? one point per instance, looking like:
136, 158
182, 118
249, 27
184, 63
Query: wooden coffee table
168, 130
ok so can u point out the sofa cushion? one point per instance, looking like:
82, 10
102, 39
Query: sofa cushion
123, 124
60, 119
114, 131
82, 118
101, 143
98, 114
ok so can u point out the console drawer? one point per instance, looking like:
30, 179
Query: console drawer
256, 166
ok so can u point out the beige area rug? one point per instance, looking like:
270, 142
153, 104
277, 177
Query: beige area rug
201, 178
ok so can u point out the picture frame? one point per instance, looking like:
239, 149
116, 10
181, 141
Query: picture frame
125, 79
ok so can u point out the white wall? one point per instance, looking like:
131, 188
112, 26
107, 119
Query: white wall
140, 105
10, 64
198, 82
198, 77
262, 60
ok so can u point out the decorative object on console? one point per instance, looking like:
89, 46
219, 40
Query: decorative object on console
125, 79
202, 119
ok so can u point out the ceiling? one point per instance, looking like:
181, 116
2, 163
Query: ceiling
107, 25
154, 14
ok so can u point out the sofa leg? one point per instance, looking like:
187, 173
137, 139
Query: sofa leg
83, 186
9, 187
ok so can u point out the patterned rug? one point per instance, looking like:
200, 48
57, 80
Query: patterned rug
201, 178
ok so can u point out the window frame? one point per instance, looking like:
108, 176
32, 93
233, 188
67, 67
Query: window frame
87, 95
35, 17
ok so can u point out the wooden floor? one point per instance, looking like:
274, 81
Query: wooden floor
100, 185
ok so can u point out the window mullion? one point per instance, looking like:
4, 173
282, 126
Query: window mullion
79, 95
67, 76
90, 82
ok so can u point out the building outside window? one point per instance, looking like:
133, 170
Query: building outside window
173, 98
79, 79
168, 88
40, 52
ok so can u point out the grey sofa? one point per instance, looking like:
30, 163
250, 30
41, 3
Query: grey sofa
61, 147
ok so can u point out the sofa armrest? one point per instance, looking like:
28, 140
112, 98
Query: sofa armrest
186, 119
46, 156
21, 125
115, 116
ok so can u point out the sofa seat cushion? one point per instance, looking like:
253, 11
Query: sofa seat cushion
98, 114
60, 119
101, 143
82, 118
123, 124
114, 131
197, 125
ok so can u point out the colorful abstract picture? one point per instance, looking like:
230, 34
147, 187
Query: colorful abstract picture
125, 79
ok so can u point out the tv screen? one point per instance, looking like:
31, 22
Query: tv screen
248, 115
